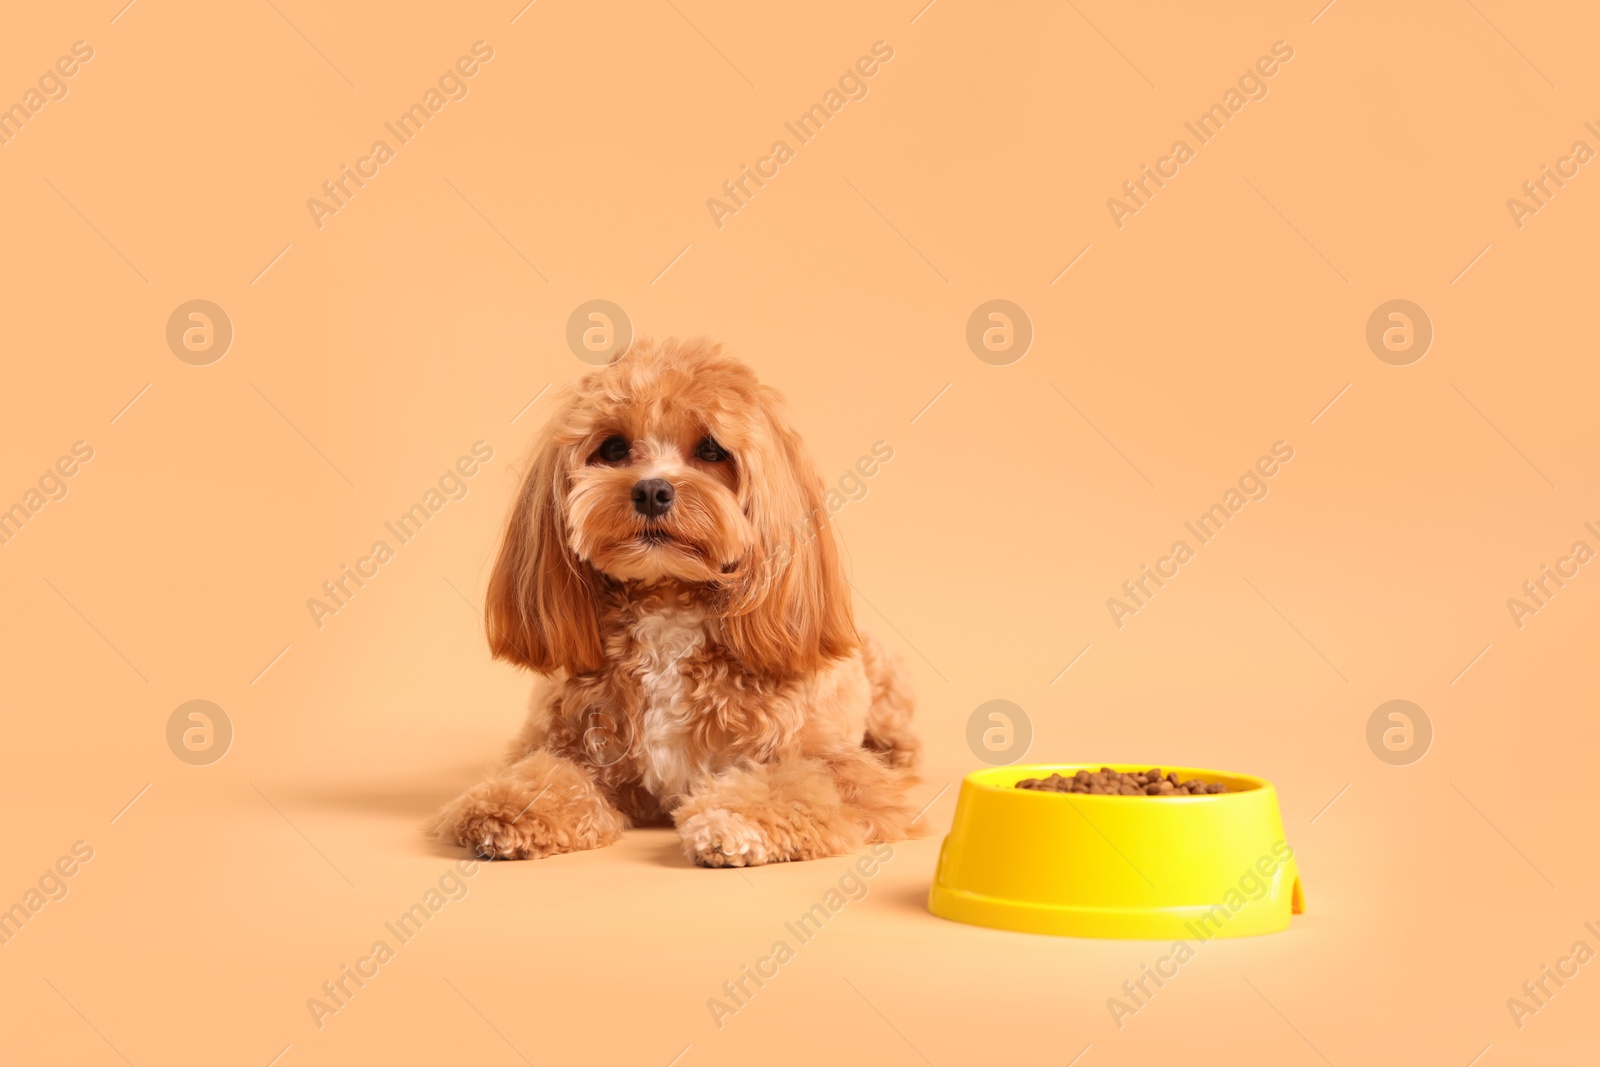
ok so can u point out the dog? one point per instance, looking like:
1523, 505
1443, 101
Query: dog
669, 564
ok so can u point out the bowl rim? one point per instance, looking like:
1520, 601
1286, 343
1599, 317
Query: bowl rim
980, 779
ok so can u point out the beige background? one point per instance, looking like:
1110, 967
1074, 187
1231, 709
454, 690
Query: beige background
370, 353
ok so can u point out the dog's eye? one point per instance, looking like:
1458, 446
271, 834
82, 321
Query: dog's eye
613, 449
709, 451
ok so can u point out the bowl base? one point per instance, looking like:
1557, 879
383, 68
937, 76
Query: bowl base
1201, 922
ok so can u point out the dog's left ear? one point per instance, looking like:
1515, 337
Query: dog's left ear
790, 606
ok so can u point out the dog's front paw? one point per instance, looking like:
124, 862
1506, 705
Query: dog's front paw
495, 821
722, 838
516, 817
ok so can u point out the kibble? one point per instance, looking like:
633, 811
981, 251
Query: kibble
1107, 782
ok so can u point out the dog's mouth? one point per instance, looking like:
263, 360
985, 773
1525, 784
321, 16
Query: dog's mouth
650, 538
659, 537
653, 550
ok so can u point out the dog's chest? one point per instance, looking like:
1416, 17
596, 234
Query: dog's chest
665, 643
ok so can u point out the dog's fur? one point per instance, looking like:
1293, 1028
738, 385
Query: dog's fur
706, 667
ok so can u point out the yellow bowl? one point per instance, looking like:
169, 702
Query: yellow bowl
1080, 865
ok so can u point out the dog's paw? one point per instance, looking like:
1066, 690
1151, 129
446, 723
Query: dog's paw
722, 838
495, 835
515, 819
495, 821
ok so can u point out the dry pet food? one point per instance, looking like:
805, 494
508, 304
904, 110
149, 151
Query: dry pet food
1107, 782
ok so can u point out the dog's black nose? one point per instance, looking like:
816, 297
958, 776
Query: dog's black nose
653, 497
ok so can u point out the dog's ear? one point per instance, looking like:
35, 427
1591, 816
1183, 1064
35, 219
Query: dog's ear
790, 609
541, 604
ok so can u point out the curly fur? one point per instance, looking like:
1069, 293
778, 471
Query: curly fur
706, 667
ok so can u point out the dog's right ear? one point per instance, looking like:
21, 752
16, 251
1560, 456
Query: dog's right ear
540, 611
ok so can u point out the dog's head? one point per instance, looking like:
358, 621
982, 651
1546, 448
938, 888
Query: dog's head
672, 463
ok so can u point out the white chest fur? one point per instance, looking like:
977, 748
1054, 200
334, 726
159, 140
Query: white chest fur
662, 641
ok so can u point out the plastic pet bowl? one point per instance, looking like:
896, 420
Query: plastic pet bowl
1080, 865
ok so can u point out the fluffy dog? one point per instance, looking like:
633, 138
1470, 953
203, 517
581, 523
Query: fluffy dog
669, 563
